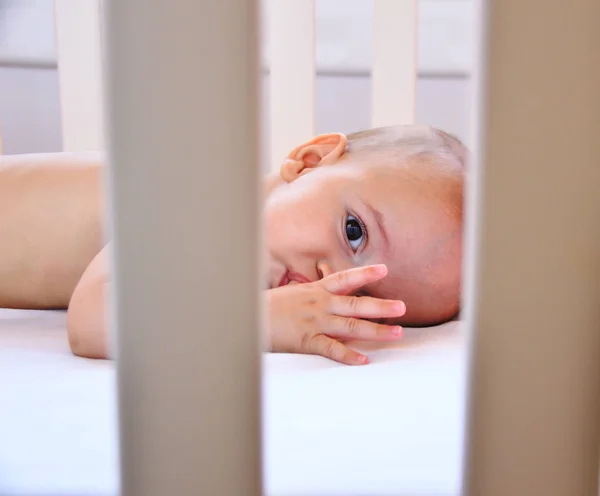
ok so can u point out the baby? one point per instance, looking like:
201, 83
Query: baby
363, 232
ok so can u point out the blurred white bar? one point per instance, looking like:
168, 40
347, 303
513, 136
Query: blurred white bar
292, 75
78, 45
394, 73
532, 296
184, 194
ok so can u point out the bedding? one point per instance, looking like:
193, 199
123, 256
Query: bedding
392, 427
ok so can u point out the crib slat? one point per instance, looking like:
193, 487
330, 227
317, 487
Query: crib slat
394, 66
186, 250
532, 299
292, 75
78, 42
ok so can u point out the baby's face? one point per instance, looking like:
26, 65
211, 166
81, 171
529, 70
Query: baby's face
350, 214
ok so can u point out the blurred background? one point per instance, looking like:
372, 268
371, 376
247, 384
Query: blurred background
29, 92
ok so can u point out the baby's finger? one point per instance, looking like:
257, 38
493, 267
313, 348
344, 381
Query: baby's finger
330, 348
350, 328
366, 307
348, 281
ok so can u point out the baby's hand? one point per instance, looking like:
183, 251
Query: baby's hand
312, 318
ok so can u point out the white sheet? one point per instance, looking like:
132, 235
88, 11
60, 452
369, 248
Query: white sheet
392, 427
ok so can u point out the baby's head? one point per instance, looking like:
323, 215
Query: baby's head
390, 196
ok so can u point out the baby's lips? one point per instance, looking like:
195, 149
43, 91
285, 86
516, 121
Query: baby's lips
298, 278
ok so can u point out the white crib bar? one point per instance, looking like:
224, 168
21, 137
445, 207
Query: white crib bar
394, 66
534, 294
183, 87
78, 26
292, 75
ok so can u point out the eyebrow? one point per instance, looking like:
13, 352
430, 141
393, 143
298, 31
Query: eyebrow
379, 218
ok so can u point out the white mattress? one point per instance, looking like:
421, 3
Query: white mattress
392, 427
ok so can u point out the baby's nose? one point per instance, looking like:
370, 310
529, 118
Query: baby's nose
324, 270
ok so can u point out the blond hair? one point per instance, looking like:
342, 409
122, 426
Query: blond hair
411, 141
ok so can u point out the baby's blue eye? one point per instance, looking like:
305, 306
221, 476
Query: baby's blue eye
354, 232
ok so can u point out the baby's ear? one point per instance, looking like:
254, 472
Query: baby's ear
322, 150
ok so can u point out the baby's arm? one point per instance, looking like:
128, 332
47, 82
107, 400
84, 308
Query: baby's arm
86, 317
304, 318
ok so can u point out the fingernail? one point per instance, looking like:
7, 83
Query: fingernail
379, 268
397, 331
400, 306
362, 360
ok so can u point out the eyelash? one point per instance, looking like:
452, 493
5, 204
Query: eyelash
363, 228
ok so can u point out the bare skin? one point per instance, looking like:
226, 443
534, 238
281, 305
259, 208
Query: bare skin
51, 226
53, 254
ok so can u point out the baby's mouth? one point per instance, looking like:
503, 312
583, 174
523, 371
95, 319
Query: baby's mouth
290, 277
285, 279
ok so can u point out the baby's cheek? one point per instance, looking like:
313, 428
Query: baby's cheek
283, 229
